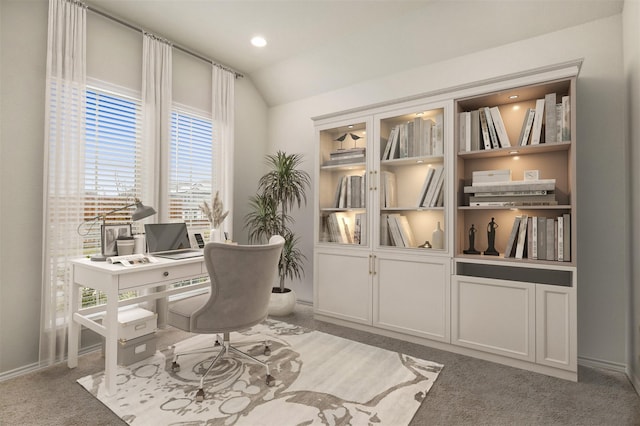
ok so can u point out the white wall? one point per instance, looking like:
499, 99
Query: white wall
631, 25
603, 230
114, 55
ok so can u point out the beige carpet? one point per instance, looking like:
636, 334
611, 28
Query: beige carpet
320, 379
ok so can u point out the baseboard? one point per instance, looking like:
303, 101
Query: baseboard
635, 381
607, 365
36, 366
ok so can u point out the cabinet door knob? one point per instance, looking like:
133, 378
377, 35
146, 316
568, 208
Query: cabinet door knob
165, 273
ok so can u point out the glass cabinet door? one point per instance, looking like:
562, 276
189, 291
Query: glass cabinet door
343, 185
412, 180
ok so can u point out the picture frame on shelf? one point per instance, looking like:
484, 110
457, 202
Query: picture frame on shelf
110, 233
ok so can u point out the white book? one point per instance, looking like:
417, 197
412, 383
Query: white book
567, 237
438, 170
550, 118
560, 238
484, 127
522, 235
533, 253
566, 118
527, 123
475, 131
394, 230
427, 137
438, 145
405, 231
536, 131
387, 148
501, 130
495, 143
425, 186
465, 131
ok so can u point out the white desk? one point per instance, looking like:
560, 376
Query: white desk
113, 279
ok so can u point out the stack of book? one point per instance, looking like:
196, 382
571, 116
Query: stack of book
396, 231
350, 192
432, 194
346, 156
540, 238
418, 138
342, 229
484, 129
494, 188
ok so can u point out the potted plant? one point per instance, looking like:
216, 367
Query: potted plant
281, 189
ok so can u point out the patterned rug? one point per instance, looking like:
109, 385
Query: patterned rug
320, 380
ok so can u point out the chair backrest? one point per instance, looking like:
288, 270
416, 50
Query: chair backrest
242, 277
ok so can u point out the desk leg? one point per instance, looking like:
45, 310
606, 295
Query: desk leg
111, 339
74, 328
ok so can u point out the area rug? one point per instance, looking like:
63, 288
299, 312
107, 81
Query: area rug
321, 379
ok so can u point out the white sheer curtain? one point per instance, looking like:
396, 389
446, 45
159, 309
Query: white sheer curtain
156, 119
156, 132
63, 168
223, 125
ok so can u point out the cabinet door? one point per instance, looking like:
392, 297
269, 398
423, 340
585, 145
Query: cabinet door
411, 295
343, 285
494, 316
556, 339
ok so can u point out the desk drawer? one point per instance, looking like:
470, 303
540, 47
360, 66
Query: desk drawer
160, 276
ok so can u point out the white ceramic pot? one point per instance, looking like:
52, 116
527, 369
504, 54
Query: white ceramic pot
282, 304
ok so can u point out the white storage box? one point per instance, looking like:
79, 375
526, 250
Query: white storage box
137, 349
136, 322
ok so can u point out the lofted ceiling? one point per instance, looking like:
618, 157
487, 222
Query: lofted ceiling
315, 46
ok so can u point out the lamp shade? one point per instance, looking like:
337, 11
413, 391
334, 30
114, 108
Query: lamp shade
142, 211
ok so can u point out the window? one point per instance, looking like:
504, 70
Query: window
191, 167
112, 166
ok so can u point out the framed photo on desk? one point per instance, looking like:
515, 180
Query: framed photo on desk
110, 233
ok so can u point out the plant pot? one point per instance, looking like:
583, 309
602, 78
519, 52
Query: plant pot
282, 304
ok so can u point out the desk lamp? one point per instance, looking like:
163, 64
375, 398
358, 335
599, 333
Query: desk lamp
140, 212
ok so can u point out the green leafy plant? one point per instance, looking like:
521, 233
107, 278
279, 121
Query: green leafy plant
281, 189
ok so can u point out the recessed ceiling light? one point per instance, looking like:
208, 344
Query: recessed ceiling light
513, 97
259, 41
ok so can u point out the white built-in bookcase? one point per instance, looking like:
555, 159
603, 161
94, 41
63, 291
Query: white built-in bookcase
517, 311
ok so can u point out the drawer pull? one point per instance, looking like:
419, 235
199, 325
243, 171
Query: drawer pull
165, 273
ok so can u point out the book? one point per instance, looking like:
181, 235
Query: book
567, 237
516, 185
405, 231
360, 229
490, 176
529, 248
464, 121
425, 186
560, 237
533, 253
542, 238
475, 130
394, 230
550, 134
513, 193
484, 198
356, 159
347, 153
495, 143
566, 119
522, 235
388, 193
434, 184
427, 137
550, 239
384, 230
509, 250
486, 138
501, 130
437, 132
527, 123
132, 259
538, 119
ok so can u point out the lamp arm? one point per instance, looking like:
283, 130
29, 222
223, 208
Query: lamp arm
102, 217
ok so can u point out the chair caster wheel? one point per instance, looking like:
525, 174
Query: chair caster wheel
270, 380
267, 351
175, 367
200, 395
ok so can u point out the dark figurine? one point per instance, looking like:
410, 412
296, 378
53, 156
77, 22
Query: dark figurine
472, 239
491, 237
426, 244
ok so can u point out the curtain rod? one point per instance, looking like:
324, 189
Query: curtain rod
177, 46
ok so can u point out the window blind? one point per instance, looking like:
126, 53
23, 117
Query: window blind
191, 167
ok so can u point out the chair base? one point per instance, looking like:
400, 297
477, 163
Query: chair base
225, 348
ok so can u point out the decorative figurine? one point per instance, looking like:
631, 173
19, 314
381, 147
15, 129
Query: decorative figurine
472, 239
426, 244
491, 237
